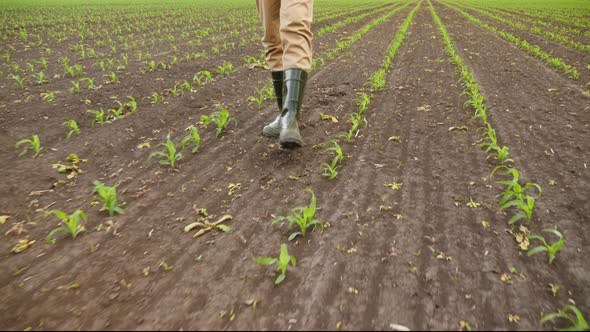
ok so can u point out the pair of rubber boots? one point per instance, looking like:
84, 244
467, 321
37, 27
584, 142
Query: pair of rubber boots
288, 86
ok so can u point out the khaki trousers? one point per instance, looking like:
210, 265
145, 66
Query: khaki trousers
287, 33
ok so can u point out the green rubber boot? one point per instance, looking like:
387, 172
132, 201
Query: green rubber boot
293, 88
274, 128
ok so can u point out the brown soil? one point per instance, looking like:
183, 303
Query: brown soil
369, 269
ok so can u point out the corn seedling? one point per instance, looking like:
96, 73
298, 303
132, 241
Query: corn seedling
32, 144
71, 223
108, 197
73, 125
550, 249
578, 322
186, 86
19, 80
363, 102
202, 77
40, 78
377, 80
330, 170
75, 87
194, 137
354, 120
89, 82
113, 78
169, 154
155, 98
265, 93
116, 113
302, 216
99, 116
221, 119
225, 69
282, 263
175, 91
515, 195
48, 96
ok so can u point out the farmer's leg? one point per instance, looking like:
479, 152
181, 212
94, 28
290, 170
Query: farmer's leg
296, 17
269, 12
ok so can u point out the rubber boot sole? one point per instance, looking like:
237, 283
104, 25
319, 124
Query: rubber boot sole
290, 139
271, 132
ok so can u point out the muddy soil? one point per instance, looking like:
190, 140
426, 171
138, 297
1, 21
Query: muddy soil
417, 256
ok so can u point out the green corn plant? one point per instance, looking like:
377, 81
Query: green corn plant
73, 125
302, 216
330, 170
69, 70
108, 197
116, 113
202, 77
263, 94
43, 62
354, 120
48, 96
194, 137
578, 322
89, 82
174, 61
175, 91
502, 155
186, 86
225, 69
40, 78
155, 98
99, 116
19, 80
377, 80
221, 119
282, 263
75, 87
363, 102
515, 195
71, 223
113, 77
33, 144
550, 249
169, 154
131, 104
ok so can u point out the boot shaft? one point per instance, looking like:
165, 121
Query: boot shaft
293, 88
277, 82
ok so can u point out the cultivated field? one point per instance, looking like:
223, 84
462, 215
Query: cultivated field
444, 183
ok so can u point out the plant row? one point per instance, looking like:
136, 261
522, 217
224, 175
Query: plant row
516, 194
555, 62
376, 82
556, 37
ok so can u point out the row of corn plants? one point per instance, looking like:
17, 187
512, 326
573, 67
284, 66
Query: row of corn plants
534, 21
554, 62
376, 82
556, 37
516, 194
349, 20
346, 43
